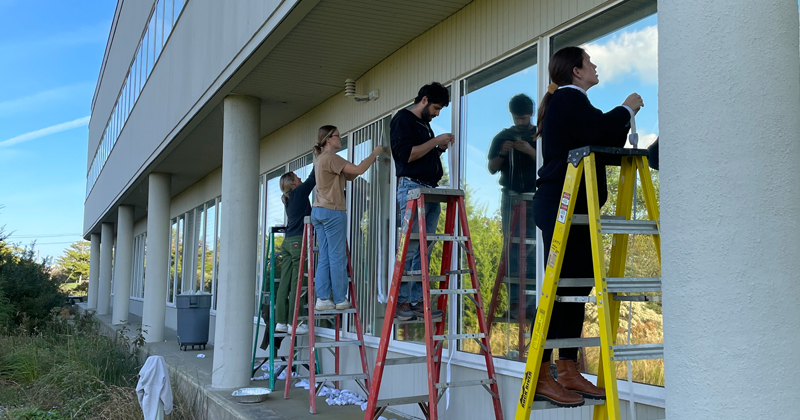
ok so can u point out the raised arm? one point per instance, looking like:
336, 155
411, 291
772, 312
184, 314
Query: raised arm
352, 171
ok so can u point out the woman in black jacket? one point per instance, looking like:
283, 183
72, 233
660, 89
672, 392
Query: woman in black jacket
295, 198
566, 121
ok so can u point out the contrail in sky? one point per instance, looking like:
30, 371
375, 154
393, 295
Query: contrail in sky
80, 122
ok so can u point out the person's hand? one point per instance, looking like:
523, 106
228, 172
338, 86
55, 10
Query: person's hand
524, 147
377, 151
444, 140
634, 101
507, 147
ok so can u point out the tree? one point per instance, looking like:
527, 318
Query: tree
74, 263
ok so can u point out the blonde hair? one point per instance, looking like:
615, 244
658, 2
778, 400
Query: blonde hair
287, 185
325, 132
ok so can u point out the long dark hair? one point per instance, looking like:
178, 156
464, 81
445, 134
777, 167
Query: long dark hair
561, 65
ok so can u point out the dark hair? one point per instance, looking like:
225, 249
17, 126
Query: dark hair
561, 65
521, 104
436, 93
323, 134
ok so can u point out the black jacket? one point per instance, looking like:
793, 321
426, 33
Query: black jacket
408, 131
298, 206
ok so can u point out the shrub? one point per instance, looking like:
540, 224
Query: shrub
27, 286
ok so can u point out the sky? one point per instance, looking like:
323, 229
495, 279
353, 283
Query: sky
51, 55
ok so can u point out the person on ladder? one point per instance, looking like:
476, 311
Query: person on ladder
295, 199
513, 153
417, 159
566, 121
329, 217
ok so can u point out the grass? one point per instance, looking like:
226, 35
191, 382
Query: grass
68, 370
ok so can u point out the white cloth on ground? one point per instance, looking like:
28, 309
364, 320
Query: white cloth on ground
154, 387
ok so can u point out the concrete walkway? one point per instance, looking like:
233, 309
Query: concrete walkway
192, 377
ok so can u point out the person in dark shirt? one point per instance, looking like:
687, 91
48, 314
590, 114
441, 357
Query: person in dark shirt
417, 159
295, 199
513, 153
567, 120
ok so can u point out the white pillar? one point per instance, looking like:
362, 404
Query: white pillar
94, 271
157, 254
238, 238
106, 254
729, 118
122, 265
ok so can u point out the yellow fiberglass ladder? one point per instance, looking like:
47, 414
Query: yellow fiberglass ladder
611, 287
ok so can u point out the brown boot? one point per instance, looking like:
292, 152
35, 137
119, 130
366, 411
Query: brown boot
547, 389
571, 379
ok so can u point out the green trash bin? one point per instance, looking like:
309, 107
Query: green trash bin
193, 319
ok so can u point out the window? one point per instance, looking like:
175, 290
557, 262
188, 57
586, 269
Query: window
194, 251
497, 185
271, 213
176, 257
216, 254
138, 270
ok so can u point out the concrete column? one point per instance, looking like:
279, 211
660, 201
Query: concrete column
106, 253
122, 265
94, 271
238, 239
155, 288
729, 118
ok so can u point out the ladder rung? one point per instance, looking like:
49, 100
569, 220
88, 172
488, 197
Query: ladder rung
334, 377
576, 299
576, 282
530, 281
527, 241
465, 271
439, 237
443, 385
453, 291
616, 225
637, 298
416, 399
286, 362
407, 360
434, 194
545, 405
457, 336
567, 343
335, 311
633, 284
346, 343
419, 278
638, 351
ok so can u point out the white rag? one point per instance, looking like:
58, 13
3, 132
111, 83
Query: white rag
154, 388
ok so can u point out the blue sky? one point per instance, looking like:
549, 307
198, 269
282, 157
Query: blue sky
51, 53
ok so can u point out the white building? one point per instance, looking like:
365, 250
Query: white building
201, 105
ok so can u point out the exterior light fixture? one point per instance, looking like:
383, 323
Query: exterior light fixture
350, 92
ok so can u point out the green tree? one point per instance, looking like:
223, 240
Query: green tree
74, 262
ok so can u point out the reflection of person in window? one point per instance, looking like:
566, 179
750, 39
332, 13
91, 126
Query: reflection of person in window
418, 164
329, 216
295, 199
513, 153
567, 120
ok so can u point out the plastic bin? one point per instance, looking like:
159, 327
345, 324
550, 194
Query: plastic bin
193, 318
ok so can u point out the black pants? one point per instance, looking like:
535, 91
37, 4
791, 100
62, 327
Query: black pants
567, 318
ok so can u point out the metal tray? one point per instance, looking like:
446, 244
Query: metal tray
251, 395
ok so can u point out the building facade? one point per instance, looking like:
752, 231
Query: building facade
202, 105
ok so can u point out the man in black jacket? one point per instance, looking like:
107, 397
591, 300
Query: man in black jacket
417, 159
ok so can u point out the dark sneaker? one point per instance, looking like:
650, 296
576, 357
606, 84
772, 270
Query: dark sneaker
403, 312
419, 311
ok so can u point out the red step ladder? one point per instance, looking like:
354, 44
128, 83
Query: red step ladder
317, 380
434, 330
520, 208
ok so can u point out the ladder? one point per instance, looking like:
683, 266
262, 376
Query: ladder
435, 336
611, 287
520, 208
316, 381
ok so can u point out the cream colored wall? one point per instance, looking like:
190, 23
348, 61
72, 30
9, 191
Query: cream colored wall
204, 190
480, 33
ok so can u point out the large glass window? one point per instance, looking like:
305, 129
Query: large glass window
498, 174
137, 271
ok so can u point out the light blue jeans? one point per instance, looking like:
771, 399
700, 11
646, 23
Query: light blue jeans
411, 292
331, 276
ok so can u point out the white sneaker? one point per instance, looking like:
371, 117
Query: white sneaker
301, 329
281, 328
324, 305
343, 305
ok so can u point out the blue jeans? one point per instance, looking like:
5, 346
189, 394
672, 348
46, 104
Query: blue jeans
331, 275
412, 291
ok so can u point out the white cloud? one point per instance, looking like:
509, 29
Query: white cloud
15, 106
626, 54
80, 122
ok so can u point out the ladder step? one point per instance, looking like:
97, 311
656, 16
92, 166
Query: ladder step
566, 343
419, 278
527, 241
433, 195
457, 336
544, 405
439, 237
335, 311
454, 291
617, 225
334, 377
415, 399
294, 362
407, 360
346, 343
617, 284
618, 298
638, 351
465, 271
444, 385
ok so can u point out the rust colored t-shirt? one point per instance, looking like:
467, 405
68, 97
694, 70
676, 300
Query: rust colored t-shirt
330, 181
